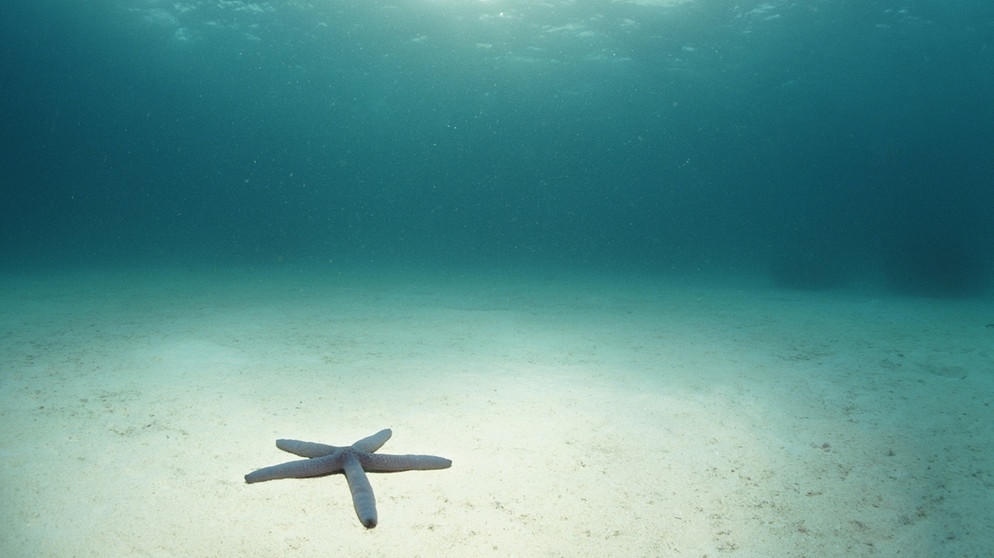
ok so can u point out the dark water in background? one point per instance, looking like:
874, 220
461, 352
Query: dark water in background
813, 142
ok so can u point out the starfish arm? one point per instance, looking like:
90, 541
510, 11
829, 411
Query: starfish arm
298, 469
305, 449
374, 442
385, 463
362, 492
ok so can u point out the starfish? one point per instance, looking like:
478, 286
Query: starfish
355, 460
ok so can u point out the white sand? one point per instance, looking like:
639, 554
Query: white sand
594, 416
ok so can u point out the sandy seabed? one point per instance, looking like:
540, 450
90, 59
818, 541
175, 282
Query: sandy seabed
584, 415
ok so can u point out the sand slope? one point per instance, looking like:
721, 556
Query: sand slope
585, 416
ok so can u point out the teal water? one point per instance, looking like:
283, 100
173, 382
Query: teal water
814, 143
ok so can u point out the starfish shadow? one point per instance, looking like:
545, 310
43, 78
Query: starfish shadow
355, 461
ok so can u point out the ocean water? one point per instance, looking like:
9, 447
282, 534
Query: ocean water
787, 197
812, 143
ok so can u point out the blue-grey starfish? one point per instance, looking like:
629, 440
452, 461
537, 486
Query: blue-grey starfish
355, 460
